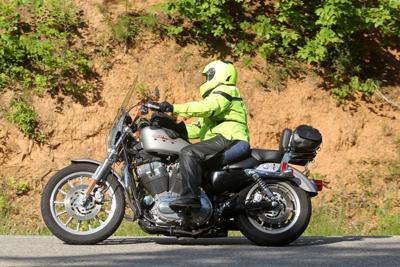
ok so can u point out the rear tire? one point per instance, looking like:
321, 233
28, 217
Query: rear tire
252, 226
55, 224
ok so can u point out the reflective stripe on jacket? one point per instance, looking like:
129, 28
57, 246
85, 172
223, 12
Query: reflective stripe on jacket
221, 112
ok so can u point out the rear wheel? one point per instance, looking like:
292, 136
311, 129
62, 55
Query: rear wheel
280, 226
73, 221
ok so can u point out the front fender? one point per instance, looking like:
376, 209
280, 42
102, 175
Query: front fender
97, 163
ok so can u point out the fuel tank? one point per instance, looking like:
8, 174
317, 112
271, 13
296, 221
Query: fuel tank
157, 140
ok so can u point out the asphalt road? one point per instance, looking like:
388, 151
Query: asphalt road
232, 252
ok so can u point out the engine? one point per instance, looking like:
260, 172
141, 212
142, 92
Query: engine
164, 184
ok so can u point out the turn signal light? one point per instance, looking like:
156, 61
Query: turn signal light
320, 184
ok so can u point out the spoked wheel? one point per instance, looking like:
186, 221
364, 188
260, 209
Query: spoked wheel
280, 226
74, 220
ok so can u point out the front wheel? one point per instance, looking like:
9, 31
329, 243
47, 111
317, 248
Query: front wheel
280, 226
70, 218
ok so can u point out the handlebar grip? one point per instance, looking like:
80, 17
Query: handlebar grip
153, 106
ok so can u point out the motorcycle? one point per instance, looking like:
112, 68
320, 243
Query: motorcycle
262, 195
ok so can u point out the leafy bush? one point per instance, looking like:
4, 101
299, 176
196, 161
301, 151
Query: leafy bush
3, 205
26, 119
125, 29
37, 51
340, 37
22, 188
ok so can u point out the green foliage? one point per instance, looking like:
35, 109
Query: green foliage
215, 17
37, 51
3, 204
128, 228
326, 222
339, 36
366, 88
22, 188
388, 223
172, 30
26, 119
125, 29
142, 91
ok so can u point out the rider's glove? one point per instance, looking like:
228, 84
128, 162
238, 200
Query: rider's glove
166, 107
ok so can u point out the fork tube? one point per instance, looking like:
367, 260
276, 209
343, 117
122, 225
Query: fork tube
100, 172
104, 168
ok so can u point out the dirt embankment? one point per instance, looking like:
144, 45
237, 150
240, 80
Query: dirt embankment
357, 137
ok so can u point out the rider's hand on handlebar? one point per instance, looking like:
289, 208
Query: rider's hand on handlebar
163, 107
166, 107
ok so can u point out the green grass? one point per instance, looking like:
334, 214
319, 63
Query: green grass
129, 228
323, 223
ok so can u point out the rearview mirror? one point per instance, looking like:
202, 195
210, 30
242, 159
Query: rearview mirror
156, 94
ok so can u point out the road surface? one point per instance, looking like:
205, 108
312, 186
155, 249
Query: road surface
232, 252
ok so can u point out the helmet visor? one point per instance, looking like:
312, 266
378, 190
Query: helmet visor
209, 74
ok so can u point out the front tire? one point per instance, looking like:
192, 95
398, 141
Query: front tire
276, 228
73, 222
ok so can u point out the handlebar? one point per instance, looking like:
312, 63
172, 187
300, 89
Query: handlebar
152, 106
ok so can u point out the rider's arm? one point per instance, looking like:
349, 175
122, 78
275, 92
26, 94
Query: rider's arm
194, 130
210, 106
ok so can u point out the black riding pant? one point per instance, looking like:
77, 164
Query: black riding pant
193, 157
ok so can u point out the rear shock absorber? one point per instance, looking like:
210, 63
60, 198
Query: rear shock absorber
263, 185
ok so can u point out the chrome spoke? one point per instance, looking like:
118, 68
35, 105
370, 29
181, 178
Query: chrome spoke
98, 218
107, 211
62, 192
78, 226
70, 183
61, 213
81, 179
69, 221
58, 202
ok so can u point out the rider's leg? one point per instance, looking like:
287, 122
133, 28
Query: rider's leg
237, 151
191, 159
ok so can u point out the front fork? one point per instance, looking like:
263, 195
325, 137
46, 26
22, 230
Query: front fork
104, 168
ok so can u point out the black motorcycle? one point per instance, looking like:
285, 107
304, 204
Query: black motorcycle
263, 196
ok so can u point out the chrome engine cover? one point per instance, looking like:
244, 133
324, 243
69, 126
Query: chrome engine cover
165, 216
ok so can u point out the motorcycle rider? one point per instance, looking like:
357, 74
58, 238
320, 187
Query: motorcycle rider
221, 127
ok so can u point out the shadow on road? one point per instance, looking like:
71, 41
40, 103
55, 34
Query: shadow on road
303, 241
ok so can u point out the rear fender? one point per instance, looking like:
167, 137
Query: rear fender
298, 179
304, 183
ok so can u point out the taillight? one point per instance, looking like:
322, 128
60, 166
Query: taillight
320, 184
284, 166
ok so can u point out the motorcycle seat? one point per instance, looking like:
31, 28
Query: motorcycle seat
266, 155
244, 164
257, 156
